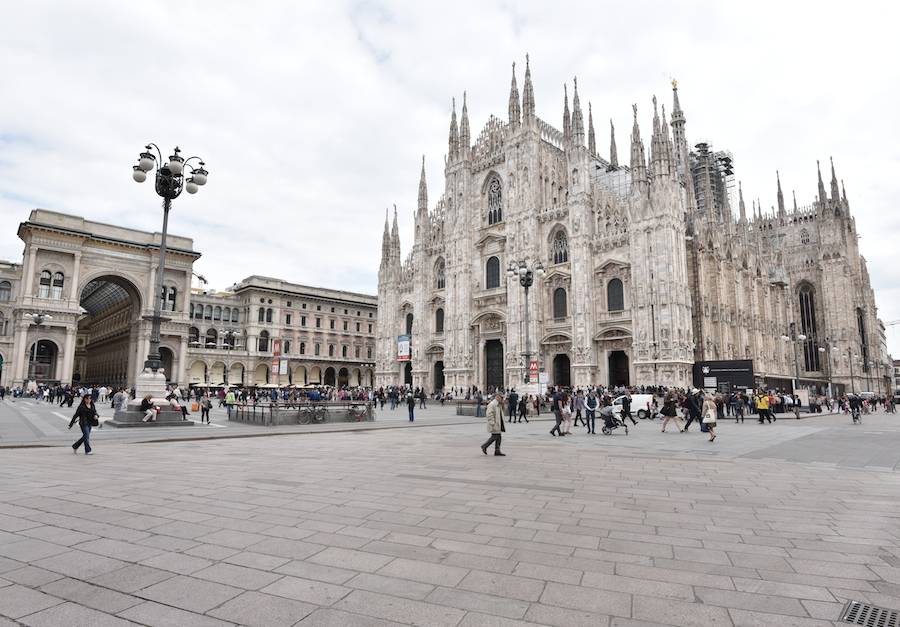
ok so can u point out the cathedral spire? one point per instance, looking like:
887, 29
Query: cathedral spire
678, 136
794, 193
464, 139
454, 133
822, 197
423, 189
592, 140
843, 192
527, 94
741, 206
567, 125
638, 163
835, 193
577, 118
780, 195
395, 232
613, 154
514, 109
386, 238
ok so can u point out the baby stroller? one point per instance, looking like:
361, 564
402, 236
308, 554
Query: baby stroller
611, 421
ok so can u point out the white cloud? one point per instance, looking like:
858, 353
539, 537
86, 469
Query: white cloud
312, 116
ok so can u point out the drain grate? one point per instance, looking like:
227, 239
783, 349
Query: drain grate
858, 613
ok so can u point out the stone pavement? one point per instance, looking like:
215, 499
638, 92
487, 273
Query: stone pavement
417, 527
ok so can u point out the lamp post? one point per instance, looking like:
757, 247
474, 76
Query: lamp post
826, 351
526, 273
37, 318
850, 361
170, 180
228, 336
794, 338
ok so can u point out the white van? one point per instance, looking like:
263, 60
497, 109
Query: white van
641, 405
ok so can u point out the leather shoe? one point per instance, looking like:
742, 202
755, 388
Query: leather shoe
484, 450
499, 454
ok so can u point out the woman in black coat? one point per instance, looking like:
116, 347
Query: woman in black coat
86, 415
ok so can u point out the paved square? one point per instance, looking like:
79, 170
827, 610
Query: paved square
770, 525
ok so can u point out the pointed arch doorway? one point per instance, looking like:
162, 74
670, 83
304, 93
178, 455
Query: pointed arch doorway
618, 369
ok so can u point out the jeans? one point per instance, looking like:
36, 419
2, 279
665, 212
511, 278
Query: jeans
558, 423
590, 420
85, 438
411, 410
204, 413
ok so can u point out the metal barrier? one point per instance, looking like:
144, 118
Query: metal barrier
320, 412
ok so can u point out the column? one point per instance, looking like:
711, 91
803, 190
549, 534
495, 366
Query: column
20, 354
75, 279
180, 371
68, 355
28, 273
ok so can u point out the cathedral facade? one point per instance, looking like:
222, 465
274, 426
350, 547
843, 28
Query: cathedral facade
646, 268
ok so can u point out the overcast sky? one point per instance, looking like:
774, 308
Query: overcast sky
313, 116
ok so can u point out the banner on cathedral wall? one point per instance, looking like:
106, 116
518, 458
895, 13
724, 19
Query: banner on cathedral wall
403, 342
276, 347
533, 371
283, 367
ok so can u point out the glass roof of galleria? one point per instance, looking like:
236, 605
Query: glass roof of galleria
100, 295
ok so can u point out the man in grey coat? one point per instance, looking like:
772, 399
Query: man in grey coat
494, 424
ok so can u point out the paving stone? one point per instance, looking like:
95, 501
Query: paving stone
631, 585
436, 574
211, 551
548, 573
177, 563
337, 618
17, 601
58, 535
125, 551
31, 550
31, 576
158, 615
257, 560
80, 565
506, 586
132, 578
262, 610
95, 597
230, 538
391, 585
307, 590
749, 601
681, 613
564, 617
280, 547
757, 586
587, 599
745, 618
485, 603
352, 559
188, 593
308, 570
237, 576
73, 615
401, 610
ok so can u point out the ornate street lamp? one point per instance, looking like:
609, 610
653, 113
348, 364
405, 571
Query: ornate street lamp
794, 338
170, 180
526, 273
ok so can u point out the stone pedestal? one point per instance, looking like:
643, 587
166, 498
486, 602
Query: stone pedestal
154, 384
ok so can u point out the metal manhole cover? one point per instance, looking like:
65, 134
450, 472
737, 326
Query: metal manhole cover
858, 613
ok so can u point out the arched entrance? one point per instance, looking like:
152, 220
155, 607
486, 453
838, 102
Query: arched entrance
315, 375
198, 373
109, 329
236, 374
407, 373
618, 369
329, 376
355, 377
261, 374
343, 379
298, 375
217, 373
438, 376
166, 359
562, 370
42, 356
493, 364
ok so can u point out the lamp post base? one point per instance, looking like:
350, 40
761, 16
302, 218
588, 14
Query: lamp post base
154, 384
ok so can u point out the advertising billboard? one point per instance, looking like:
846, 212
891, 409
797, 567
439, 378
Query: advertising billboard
403, 342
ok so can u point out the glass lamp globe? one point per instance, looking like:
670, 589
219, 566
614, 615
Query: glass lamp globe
200, 176
191, 187
146, 162
176, 164
139, 174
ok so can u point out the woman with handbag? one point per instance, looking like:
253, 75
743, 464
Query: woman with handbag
709, 416
86, 415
